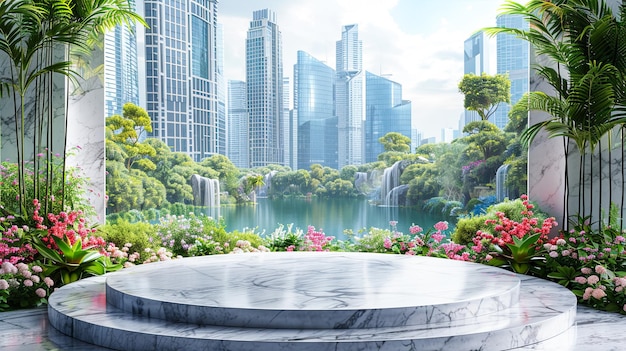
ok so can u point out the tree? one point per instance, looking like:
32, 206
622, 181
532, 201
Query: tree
252, 183
486, 137
394, 141
483, 93
126, 130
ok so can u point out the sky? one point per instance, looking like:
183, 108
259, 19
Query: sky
417, 43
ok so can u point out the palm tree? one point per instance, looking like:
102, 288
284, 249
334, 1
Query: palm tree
586, 45
39, 41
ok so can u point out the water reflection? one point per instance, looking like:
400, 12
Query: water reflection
331, 215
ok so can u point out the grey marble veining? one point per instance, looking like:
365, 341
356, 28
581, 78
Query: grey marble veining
544, 311
313, 290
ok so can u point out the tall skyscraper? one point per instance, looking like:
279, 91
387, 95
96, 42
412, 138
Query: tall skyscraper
264, 76
289, 129
120, 68
386, 112
181, 75
313, 107
350, 97
238, 123
476, 61
222, 91
513, 58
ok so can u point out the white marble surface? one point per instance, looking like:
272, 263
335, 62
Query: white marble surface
544, 311
313, 290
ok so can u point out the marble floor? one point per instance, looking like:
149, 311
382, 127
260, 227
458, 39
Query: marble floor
328, 300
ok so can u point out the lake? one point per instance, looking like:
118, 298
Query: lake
332, 216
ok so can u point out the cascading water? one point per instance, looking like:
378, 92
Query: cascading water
267, 183
502, 190
391, 180
206, 193
397, 196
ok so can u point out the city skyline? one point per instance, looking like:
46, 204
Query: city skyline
429, 77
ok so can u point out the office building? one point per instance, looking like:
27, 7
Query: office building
121, 79
264, 77
386, 113
350, 97
181, 75
238, 123
313, 99
513, 58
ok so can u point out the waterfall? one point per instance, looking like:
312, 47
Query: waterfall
267, 180
502, 191
206, 193
391, 179
397, 196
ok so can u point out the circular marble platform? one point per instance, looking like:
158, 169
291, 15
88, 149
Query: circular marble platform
313, 290
314, 301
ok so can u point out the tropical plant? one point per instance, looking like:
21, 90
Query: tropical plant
73, 262
585, 45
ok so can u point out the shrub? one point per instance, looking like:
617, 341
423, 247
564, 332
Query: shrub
137, 234
467, 227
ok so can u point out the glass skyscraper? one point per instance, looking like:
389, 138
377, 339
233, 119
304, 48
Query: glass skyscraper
350, 97
121, 79
181, 75
512, 58
313, 94
238, 123
264, 77
386, 112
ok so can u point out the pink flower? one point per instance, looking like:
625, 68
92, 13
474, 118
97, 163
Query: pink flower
580, 280
593, 279
3, 284
443, 225
40, 292
488, 257
49, 282
387, 243
437, 237
554, 254
28, 282
600, 269
35, 279
585, 270
565, 252
587, 293
560, 242
598, 294
415, 229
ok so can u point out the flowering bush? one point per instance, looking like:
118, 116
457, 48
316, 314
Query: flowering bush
244, 246
179, 233
514, 245
601, 288
282, 239
23, 286
417, 242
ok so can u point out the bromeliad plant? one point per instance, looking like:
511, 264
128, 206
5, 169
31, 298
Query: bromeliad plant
515, 245
73, 262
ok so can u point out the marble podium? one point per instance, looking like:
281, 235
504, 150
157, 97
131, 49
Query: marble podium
315, 301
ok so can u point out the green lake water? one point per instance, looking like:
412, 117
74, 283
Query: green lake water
333, 216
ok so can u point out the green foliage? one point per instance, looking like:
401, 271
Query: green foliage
283, 238
372, 241
138, 234
466, 228
483, 93
394, 141
125, 131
